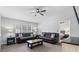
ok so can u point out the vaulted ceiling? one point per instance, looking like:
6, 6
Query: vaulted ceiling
25, 12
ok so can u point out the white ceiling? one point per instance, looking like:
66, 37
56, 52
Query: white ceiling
25, 12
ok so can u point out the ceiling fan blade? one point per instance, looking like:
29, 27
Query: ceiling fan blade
41, 14
43, 11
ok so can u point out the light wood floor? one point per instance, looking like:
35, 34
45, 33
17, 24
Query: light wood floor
46, 47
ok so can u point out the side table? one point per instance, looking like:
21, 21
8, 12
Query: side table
10, 40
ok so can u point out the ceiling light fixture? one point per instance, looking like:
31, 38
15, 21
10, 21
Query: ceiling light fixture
39, 11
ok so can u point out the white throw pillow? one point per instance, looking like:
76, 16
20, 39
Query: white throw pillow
52, 36
20, 35
31, 34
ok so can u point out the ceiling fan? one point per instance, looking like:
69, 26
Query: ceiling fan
39, 11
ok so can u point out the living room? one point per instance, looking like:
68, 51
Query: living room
23, 25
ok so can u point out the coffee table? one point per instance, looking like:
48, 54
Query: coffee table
35, 42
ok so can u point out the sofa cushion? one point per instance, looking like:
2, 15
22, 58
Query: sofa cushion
47, 35
50, 37
17, 34
23, 34
25, 37
26, 34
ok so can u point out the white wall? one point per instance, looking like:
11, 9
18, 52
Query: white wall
49, 25
74, 26
55, 13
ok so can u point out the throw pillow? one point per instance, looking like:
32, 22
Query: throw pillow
52, 36
20, 35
